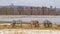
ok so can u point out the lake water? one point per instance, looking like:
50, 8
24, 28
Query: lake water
41, 20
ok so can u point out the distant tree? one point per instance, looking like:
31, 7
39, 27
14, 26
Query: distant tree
3, 11
20, 10
0, 11
31, 10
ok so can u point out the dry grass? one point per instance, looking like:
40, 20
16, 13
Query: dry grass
27, 27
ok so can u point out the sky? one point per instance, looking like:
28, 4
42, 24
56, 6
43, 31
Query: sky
41, 20
48, 3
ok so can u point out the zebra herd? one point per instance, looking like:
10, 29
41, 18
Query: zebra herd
33, 23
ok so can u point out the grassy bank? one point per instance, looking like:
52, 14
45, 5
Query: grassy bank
28, 27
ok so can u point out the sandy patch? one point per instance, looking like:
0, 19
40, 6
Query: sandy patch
23, 31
